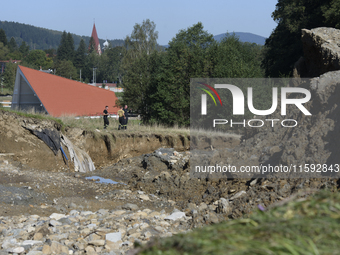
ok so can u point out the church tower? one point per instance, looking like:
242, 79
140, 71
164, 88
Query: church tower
96, 40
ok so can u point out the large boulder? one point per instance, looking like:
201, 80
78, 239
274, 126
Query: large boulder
321, 52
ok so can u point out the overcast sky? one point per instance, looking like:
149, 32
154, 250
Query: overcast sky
115, 19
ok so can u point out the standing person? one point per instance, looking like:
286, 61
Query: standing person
126, 114
106, 114
120, 114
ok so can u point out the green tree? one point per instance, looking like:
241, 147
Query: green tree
135, 64
92, 45
157, 83
331, 12
66, 47
143, 38
65, 68
110, 63
62, 49
283, 48
92, 61
80, 55
3, 37
70, 47
9, 76
188, 56
36, 59
24, 48
4, 51
234, 59
12, 45
136, 83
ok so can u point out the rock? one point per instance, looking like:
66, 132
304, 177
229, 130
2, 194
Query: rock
16, 250
147, 235
238, 195
113, 245
131, 207
90, 250
175, 216
113, 237
153, 214
38, 236
144, 197
54, 223
46, 249
72, 206
35, 253
223, 206
253, 182
211, 217
202, 207
7, 243
321, 52
97, 242
86, 213
192, 206
58, 248
57, 216
274, 149
103, 212
31, 242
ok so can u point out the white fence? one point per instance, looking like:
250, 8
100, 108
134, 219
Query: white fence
6, 104
117, 89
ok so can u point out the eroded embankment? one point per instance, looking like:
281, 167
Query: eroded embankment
111, 147
105, 148
132, 159
20, 145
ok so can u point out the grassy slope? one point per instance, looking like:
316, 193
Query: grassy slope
297, 227
133, 126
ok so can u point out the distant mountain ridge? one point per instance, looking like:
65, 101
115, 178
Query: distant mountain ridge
43, 38
244, 37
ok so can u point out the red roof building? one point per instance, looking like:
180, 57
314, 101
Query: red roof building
96, 39
59, 96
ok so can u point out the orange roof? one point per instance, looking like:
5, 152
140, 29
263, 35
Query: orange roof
61, 96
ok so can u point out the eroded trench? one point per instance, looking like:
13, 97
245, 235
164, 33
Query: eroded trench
111, 148
127, 158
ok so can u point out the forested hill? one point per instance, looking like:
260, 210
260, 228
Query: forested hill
42, 38
244, 37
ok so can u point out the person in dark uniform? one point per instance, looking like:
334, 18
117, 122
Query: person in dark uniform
121, 119
126, 114
106, 114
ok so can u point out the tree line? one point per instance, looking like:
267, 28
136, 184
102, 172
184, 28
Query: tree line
157, 79
65, 61
41, 38
157, 82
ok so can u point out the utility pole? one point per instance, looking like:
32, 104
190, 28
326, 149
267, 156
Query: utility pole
2, 84
94, 75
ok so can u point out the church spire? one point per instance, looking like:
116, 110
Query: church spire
96, 40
